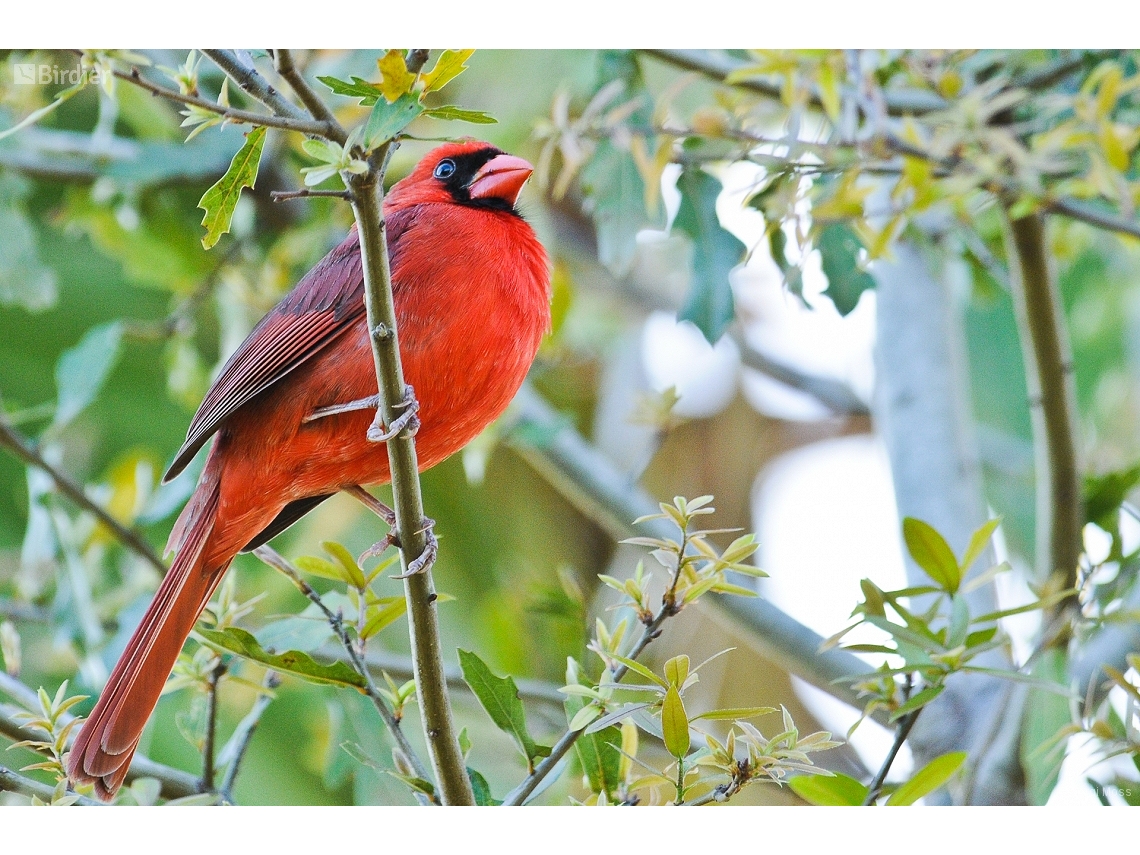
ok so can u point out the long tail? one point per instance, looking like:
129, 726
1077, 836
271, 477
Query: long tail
102, 751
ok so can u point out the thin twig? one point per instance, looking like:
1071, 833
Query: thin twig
519, 794
175, 783
250, 81
16, 783
285, 195
304, 126
367, 191
278, 562
235, 750
213, 679
876, 786
286, 66
22, 447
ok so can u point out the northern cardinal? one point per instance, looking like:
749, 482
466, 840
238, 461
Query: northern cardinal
472, 294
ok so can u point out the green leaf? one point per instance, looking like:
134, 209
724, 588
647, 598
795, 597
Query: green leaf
928, 779
598, 751
616, 191
395, 79
24, 279
220, 200
733, 713
931, 552
675, 724
449, 113
352, 572
793, 273
839, 250
500, 698
978, 542
451, 64
836, 791
1046, 712
959, 622
388, 120
383, 614
716, 251
358, 88
82, 370
1104, 494
677, 670
292, 662
481, 789
918, 701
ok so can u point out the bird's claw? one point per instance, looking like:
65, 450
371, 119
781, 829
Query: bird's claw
426, 559
407, 421
352, 406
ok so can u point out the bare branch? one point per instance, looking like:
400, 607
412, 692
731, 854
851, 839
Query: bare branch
21, 447
16, 783
287, 68
304, 126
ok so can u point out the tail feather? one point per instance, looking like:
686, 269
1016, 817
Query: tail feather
103, 749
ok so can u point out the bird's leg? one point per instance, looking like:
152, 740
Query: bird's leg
431, 549
352, 406
407, 420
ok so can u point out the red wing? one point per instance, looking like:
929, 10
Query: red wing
325, 303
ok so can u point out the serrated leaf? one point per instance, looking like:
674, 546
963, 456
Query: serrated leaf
387, 120
395, 79
451, 64
675, 724
835, 791
82, 370
449, 113
220, 200
928, 779
293, 662
500, 698
839, 249
616, 192
932, 553
716, 251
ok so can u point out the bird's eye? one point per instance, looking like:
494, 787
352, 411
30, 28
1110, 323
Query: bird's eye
444, 169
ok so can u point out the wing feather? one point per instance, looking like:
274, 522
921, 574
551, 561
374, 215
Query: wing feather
323, 305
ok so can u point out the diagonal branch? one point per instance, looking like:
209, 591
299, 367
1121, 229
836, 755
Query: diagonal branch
278, 562
287, 68
21, 447
304, 126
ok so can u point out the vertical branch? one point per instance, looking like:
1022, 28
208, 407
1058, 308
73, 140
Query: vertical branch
1052, 401
213, 679
431, 685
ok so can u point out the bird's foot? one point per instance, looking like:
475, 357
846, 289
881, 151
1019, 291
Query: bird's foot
335, 409
407, 421
373, 504
426, 559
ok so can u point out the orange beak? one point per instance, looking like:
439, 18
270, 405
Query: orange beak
502, 177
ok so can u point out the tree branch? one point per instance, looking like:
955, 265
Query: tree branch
876, 786
175, 783
287, 68
253, 84
234, 751
519, 794
21, 447
304, 126
207, 783
1052, 401
16, 783
278, 562
367, 191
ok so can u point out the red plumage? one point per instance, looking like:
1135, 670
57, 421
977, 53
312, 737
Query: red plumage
472, 295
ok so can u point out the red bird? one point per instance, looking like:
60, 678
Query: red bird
472, 296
